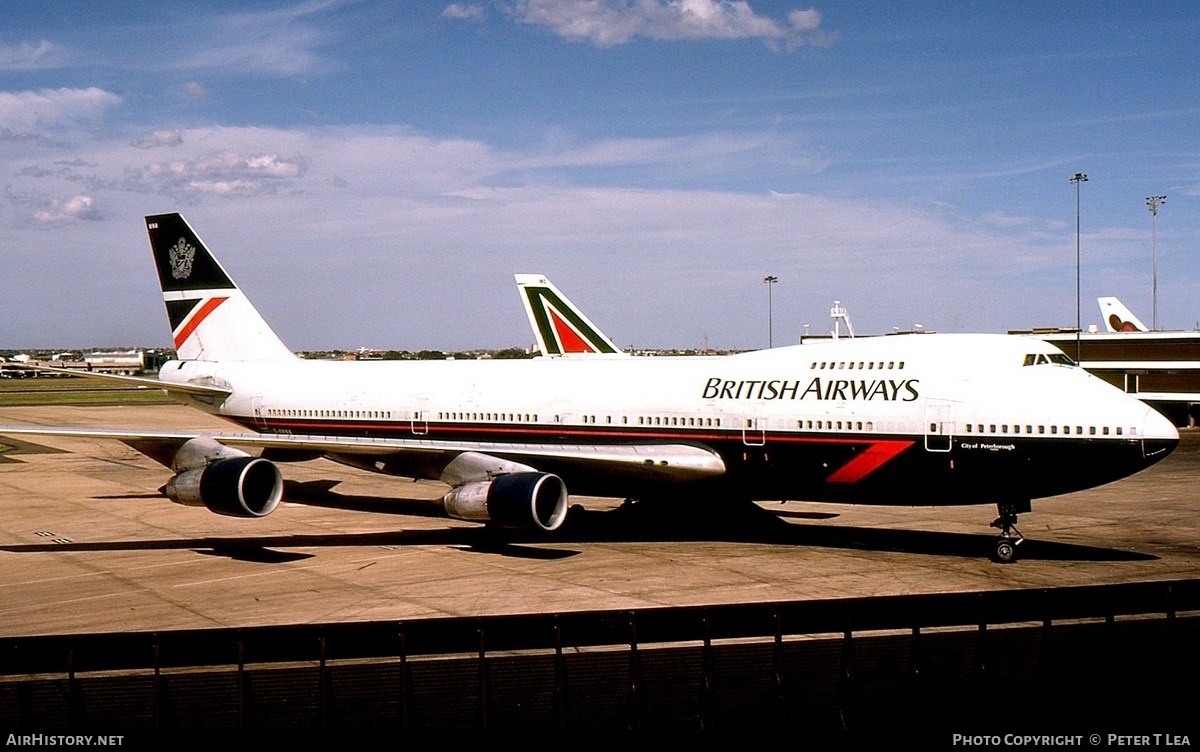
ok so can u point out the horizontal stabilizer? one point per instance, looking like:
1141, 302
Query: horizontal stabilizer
140, 381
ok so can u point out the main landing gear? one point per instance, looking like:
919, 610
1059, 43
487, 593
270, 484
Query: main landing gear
1005, 551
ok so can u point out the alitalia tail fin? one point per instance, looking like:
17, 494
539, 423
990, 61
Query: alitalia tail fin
210, 317
1118, 318
560, 327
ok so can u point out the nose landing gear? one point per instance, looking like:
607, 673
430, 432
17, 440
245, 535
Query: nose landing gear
1005, 551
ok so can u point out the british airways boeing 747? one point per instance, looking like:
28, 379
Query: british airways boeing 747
937, 419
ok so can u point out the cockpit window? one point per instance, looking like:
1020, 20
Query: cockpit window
1043, 359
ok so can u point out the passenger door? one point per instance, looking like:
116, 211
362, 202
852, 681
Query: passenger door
939, 426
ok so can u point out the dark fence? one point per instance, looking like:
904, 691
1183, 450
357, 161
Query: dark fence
1014, 660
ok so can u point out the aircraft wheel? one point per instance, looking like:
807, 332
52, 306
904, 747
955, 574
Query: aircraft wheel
1005, 551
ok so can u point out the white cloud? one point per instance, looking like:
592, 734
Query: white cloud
805, 20
606, 23
1001, 219
31, 56
47, 108
713, 152
76, 207
356, 214
161, 137
464, 11
282, 42
222, 174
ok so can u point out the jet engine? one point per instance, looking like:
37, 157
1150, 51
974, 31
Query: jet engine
524, 501
230, 482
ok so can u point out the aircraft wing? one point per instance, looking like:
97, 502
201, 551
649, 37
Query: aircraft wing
426, 458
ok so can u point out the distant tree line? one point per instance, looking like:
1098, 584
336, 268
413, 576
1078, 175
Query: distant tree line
508, 353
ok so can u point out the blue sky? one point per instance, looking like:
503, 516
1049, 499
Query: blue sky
374, 173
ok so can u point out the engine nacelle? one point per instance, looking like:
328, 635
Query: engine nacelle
525, 501
237, 487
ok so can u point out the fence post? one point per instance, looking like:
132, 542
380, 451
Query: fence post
404, 702
323, 684
777, 671
159, 689
635, 673
560, 676
708, 667
483, 680
849, 676
241, 673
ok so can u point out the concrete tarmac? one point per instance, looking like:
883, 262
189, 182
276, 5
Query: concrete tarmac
88, 545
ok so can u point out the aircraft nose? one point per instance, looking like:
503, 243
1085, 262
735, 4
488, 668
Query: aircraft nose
1159, 435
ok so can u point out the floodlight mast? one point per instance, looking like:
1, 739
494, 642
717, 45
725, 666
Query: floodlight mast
770, 281
1077, 178
1153, 202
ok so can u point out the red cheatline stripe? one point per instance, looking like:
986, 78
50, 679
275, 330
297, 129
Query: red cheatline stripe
569, 339
869, 461
197, 319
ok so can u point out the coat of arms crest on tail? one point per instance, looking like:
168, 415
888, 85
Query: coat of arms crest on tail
182, 254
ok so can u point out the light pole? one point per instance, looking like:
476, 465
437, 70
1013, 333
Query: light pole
1154, 202
769, 281
1077, 178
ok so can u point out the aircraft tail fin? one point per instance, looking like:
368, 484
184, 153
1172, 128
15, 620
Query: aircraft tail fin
211, 319
560, 327
1118, 318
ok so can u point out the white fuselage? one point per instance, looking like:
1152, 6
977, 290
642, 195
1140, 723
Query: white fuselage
954, 397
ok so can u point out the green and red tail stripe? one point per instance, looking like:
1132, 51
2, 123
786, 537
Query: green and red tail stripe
560, 327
